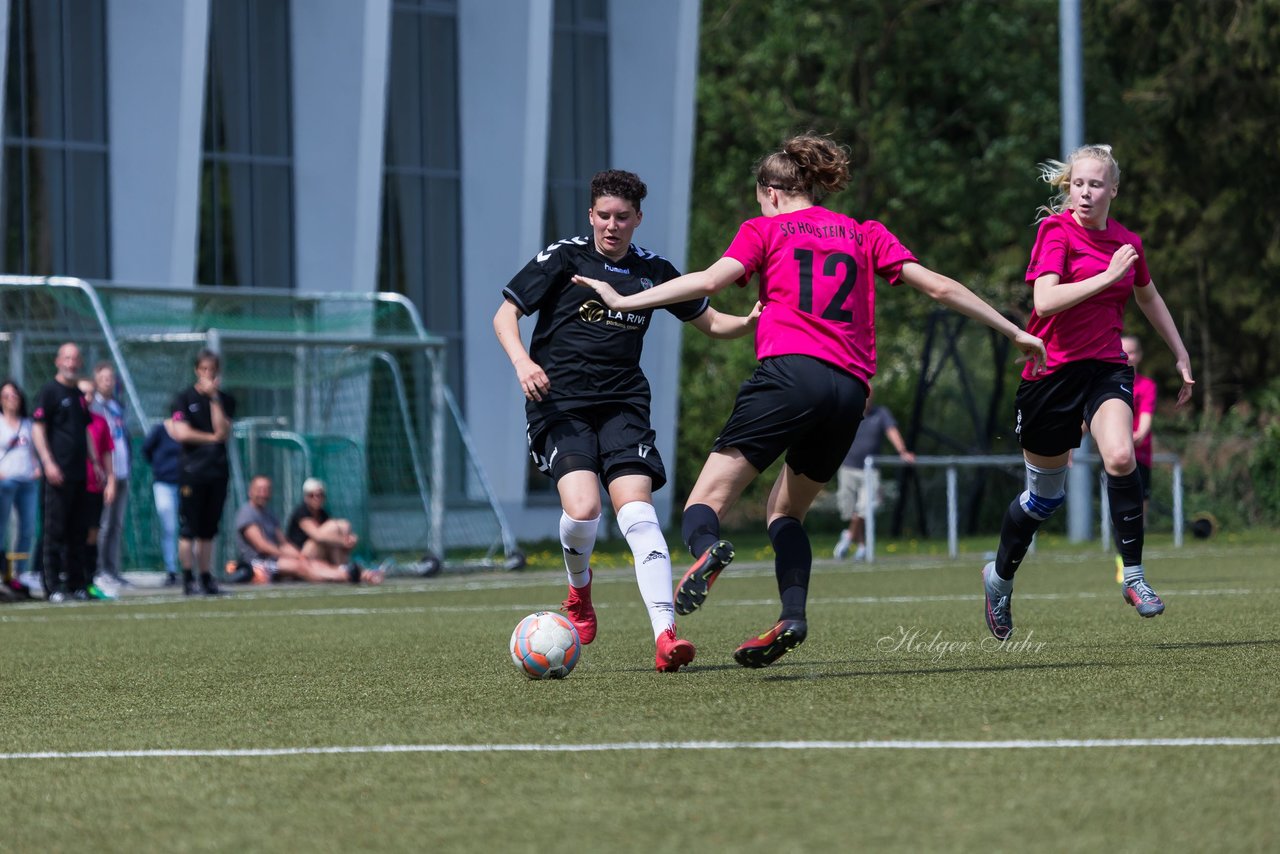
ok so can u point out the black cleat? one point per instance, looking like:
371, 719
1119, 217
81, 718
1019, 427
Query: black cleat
692, 590
765, 649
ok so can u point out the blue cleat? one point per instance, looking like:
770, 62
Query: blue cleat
1139, 594
999, 606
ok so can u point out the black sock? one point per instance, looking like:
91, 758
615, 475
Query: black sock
207, 582
1016, 532
793, 559
90, 562
188, 577
1124, 493
700, 528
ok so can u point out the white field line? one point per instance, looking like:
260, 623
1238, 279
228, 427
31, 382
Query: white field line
93, 612
1046, 744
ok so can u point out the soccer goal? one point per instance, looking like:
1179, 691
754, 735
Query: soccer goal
345, 387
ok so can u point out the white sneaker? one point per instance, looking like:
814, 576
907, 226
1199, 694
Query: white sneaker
107, 584
860, 554
33, 582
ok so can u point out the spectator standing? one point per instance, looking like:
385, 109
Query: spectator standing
100, 484
61, 438
164, 455
201, 422
111, 528
855, 484
19, 484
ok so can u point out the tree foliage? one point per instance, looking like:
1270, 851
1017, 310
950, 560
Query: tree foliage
947, 108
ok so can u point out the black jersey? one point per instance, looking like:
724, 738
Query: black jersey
590, 353
65, 415
293, 528
201, 463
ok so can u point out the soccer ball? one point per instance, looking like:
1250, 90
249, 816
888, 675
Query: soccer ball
545, 645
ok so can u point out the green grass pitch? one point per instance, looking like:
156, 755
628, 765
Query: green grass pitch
898, 668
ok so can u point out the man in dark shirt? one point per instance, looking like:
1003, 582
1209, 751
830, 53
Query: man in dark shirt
200, 421
854, 487
60, 434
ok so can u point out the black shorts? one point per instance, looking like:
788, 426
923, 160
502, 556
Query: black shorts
200, 509
611, 440
800, 405
1144, 473
1051, 411
93, 502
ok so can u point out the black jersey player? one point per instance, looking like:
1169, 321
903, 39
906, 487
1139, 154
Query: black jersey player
588, 400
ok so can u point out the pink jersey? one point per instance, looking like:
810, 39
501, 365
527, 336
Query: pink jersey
817, 284
1144, 400
100, 433
1091, 329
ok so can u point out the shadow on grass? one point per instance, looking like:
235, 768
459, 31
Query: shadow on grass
938, 671
1216, 644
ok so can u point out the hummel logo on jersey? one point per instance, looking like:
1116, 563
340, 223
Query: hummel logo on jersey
644, 450
654, 555
613, 269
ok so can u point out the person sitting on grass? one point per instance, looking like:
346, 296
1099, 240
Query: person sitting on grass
265, 555
314, 533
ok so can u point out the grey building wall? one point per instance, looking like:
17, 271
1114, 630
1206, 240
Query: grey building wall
156, 68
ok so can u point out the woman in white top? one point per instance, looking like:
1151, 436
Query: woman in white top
19, 477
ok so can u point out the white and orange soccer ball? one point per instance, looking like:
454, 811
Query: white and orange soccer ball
545, 645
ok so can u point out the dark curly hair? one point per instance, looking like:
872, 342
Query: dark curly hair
620, 185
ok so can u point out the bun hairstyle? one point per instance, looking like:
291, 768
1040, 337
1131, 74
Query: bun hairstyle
808, 165
1057, 175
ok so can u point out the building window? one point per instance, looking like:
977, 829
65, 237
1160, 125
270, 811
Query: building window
246, 180
420, 244
578, 146
55, 140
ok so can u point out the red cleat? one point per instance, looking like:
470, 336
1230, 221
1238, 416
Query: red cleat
673, 652
581, 614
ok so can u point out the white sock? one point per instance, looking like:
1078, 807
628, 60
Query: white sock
846, 537
1134, 573
578, 540
639, 524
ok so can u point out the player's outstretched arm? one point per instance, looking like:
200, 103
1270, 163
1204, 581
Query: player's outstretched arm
717, 324
957, 297
703, 283
1051, 295
1153, 306
506, 325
